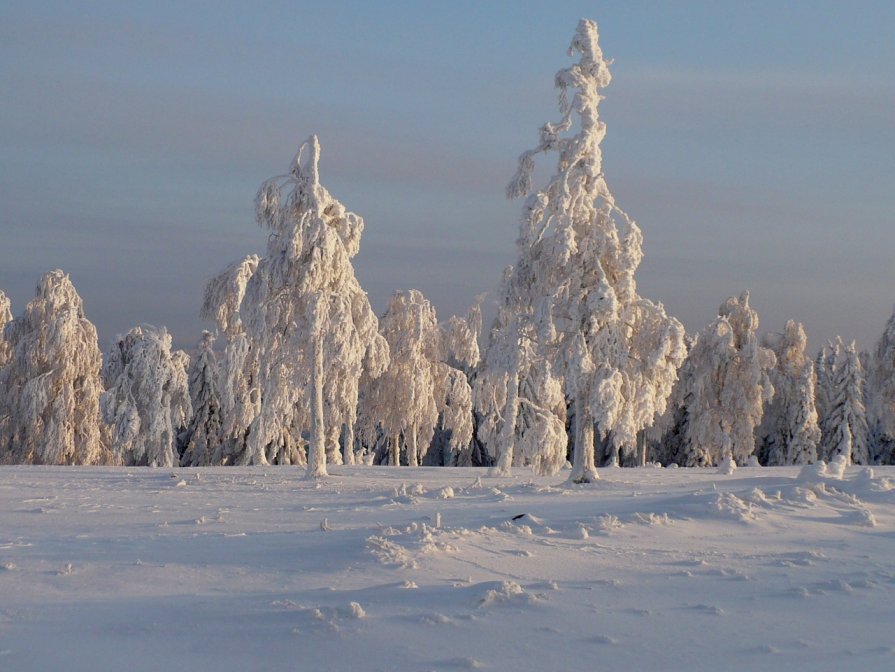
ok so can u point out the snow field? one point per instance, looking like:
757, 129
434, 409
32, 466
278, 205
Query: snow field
445, 568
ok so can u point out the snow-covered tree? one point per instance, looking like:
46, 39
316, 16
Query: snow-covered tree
50, 387
418, 387
147, 398
881, 395
728, 387
309, 322
521, 402
578, 255
202, 440
844, 425
789, 431
460, 344
239, 377
667, 437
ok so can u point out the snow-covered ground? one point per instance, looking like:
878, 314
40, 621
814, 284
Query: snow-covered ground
444, 569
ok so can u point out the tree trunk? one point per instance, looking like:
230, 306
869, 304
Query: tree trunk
394, 451
349, 443
510, 414
583, 468
317, 449
412, 454
333, 451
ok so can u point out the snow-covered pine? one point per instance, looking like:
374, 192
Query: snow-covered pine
579, 251
728, 387
50, 387
147, 397
418, 387
789, 432
881, 395
844, 426
309, 322
202, 440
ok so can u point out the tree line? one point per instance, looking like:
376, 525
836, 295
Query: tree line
577, 366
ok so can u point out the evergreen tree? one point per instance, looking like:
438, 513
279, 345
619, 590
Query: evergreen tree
844, 428
50, 387
789, 432
202, 445
881, 396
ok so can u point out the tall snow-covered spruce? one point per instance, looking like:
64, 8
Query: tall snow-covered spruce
50, 387
309, 322
578, 252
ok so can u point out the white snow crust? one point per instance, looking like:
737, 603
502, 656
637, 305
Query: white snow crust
376, 568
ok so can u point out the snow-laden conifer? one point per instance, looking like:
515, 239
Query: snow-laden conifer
308, 320
667, 437
844, 426
881, 395
202, 440
50, 387
418, 387
147, 399
579, 252
789, 432
728, 387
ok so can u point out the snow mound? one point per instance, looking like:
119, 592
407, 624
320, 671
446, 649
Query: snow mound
495, 593
728, 505
836, 468
727, 467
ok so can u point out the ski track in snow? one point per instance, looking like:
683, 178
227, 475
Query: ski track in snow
377, 569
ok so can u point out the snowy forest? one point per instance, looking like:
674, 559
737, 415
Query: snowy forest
577, 369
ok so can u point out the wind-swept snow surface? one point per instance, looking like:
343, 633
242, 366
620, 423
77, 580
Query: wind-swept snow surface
257, 568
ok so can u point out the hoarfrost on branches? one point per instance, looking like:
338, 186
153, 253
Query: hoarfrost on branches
578, 255
147, 400
418, 387
50, 387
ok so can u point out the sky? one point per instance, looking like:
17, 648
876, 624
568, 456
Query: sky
754, 144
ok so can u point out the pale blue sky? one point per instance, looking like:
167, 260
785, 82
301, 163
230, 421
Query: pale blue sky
754, 143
